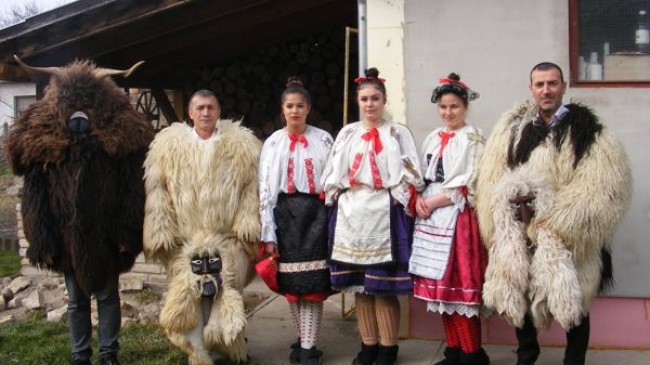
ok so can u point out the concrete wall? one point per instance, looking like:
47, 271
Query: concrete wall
7, 92
493, 45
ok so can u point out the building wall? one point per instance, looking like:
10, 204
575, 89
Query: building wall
8, 90
493, 45
386, 51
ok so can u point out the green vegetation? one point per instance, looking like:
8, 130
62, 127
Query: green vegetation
9, 264
148, 295
37, 342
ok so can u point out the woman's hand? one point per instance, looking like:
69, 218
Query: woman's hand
422, 208
425, 206
271, 248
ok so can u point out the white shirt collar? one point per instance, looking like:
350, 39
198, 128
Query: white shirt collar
555, 119
197, 136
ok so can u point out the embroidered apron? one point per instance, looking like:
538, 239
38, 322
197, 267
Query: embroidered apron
362, 234
432, 239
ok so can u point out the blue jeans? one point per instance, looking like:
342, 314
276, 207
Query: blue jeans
79, 324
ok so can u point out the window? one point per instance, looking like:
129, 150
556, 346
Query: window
21, 103
610, 42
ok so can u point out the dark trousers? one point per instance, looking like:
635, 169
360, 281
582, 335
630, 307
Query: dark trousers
79, 322
577, 342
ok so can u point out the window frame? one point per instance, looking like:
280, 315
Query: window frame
574, 41
17, 112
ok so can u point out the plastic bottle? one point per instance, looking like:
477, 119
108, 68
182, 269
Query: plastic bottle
582, 68
594, 69
643, 33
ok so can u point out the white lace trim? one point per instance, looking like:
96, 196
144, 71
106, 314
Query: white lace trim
451, 308
456, 198
293, 267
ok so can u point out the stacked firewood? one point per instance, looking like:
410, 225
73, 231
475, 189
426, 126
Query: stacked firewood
250, 86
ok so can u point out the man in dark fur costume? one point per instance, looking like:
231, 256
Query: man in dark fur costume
552, 187
80, 149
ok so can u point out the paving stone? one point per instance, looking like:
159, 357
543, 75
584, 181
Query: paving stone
34, 300
7, 294
7, 318
14, 303
128, 284
58, 314
19, 284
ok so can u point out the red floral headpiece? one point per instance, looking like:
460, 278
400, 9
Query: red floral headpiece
448, 85
452, 81
361, 79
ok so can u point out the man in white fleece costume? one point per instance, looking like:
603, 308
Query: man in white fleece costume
551, 188
202, 223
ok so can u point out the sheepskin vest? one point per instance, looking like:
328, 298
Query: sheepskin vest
587, 172
196, 190
202, 199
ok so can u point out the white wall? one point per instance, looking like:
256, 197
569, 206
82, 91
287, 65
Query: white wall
386, 51
7, 92
492, 45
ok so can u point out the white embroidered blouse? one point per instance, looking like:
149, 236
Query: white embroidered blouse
458, 159
381, 158
290, 163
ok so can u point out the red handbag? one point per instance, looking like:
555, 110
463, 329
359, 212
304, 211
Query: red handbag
267, 269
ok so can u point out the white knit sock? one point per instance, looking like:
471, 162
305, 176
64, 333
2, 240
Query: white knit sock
294, 310
311, 314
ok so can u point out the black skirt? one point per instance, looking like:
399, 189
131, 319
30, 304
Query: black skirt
301, 221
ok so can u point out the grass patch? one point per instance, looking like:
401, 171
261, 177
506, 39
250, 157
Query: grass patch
38, 342
148, 296
9, 264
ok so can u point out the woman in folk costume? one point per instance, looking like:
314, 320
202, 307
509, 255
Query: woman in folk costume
294, 217
448, 260
370, 178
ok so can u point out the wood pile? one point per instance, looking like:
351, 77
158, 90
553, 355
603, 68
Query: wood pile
250, 86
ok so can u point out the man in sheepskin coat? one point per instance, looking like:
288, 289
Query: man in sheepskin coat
80, 149
552, 187
202, 223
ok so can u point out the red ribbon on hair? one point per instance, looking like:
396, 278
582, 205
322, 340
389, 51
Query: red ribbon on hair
444, 139
373, 135
451, 81
295, 138
362, 79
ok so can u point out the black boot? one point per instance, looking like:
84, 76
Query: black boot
367, 355
80, 362
528, 349
294, 355
577, 343
475, 358
387, 355
311, 356
452, 357
109, 359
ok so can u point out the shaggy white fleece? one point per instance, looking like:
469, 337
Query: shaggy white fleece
202, 198
578, 210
